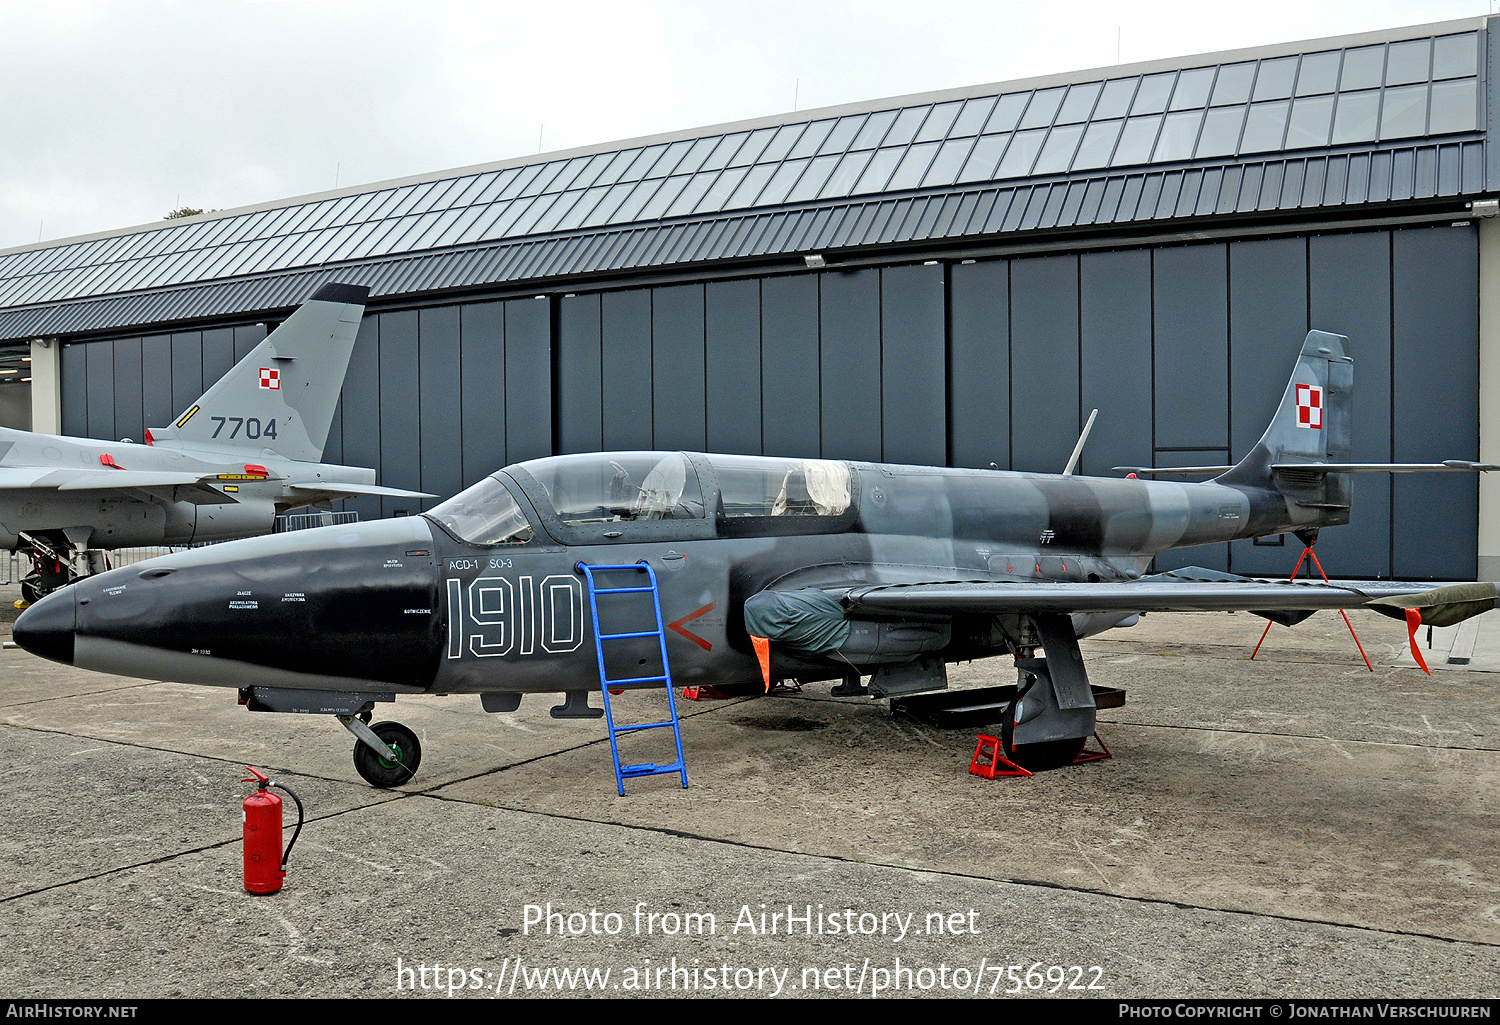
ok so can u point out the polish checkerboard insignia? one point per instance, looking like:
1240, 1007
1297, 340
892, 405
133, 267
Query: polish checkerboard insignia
270, 378
1310, 406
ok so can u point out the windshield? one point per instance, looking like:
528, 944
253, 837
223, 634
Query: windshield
484, 514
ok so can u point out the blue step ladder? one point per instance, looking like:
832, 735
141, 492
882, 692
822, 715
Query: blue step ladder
624, 772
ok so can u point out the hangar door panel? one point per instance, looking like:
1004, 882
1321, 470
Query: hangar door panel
116, 389
1435, 401
1043, 362
1349, 292
979, 358
1267, 323
732, 366
1114, 303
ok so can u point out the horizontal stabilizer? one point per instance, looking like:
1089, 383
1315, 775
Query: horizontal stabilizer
339, 488
1446, 466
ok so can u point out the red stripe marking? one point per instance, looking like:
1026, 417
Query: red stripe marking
677, 626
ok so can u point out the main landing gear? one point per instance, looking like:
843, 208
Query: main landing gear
386, 754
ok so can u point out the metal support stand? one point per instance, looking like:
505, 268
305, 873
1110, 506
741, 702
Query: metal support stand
1306, 551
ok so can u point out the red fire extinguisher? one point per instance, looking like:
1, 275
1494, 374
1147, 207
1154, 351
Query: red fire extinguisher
265, 862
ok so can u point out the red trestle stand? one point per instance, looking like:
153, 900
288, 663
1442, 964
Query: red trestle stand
1306, 551
988, 760
1085, 755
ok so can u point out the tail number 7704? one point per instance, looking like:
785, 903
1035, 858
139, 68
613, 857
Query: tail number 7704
251, 425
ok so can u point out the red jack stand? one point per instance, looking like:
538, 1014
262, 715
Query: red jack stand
702, 692
1085, 755
988, 760
1306, 551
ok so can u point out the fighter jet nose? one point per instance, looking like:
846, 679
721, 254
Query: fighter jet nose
47, 628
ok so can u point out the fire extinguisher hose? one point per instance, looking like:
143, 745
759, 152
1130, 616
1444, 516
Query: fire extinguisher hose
296, 832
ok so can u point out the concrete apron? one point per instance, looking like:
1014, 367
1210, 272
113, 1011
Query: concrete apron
1293, 826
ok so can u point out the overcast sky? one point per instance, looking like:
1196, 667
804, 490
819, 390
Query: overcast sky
114, 113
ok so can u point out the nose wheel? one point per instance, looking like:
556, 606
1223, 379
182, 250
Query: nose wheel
386, 754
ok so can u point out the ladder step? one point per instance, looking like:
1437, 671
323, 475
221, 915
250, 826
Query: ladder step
643, 726
649, 769
620, 590
637, 633
636, 679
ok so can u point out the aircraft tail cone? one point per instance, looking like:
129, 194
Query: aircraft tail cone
47, 628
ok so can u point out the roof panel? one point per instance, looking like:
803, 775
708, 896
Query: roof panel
964, 214
1382, 169
1335, 178
948, 150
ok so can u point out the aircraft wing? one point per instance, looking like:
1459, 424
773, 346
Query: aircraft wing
336, 488
1146, 595
1283, 601
166, 485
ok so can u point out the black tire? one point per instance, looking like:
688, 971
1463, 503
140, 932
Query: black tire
382, 772
29, 591
1050, 754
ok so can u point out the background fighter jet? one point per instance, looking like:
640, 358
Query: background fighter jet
764, 568
248, 448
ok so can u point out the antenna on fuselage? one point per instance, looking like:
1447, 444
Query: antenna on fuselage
1078, 448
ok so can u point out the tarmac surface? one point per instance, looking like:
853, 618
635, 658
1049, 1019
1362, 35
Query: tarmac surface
1296, 826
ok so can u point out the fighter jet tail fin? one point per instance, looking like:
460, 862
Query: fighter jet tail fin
281, 396
1311, 427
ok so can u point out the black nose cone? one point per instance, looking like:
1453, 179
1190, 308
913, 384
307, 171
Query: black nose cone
47, 628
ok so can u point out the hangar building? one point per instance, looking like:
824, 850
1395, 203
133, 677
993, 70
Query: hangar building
956, 277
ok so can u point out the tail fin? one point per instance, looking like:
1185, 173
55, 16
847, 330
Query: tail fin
282, 395
1312, 425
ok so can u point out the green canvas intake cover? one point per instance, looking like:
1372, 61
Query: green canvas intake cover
806, 620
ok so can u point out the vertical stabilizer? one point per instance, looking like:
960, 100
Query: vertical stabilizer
282, 395
1312, 425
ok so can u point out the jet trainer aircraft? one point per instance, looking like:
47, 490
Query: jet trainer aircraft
766, 567
248, 448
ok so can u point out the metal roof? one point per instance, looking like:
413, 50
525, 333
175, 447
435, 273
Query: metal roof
1372, 119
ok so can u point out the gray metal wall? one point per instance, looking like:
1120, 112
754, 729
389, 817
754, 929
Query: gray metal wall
115, 390
845, 364
1185, 350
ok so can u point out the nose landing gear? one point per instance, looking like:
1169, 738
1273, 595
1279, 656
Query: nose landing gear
386, 754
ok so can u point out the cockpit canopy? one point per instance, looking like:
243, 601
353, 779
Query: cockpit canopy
618, 487
609, 496
751, 486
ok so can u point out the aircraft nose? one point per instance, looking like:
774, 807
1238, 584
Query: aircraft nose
47, 628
